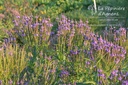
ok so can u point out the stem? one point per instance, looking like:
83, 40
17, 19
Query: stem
94, 1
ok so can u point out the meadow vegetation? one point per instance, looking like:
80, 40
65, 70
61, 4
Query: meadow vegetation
52, 43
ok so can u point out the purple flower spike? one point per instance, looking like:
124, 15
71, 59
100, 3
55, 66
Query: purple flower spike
125, 82
126, 73
99, 70
74, 52
52, 33
115, 73
120, 78
111, 77
64, 73
87, 62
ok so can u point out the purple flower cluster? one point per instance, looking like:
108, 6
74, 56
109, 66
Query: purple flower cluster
101, 74
74, 52
99, 44
125, 82
114, 73
64, 73
122, 31
120, 35
9, 40
116, 35
66, 25
29, 28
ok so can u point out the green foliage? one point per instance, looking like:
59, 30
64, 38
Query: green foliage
56, 7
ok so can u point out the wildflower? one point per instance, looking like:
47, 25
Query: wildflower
122, 31
10, 82
100, 83
126, 73
87, 62
125, 82
50, 25
23, 34
115, 73
18, 17
36, 34
99, 70
123, 51
116, 39
52, 33
64, 73
16, 23
107, 49
74, 52
119, 78
112, 55
103, 76
117, 61
100, 39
